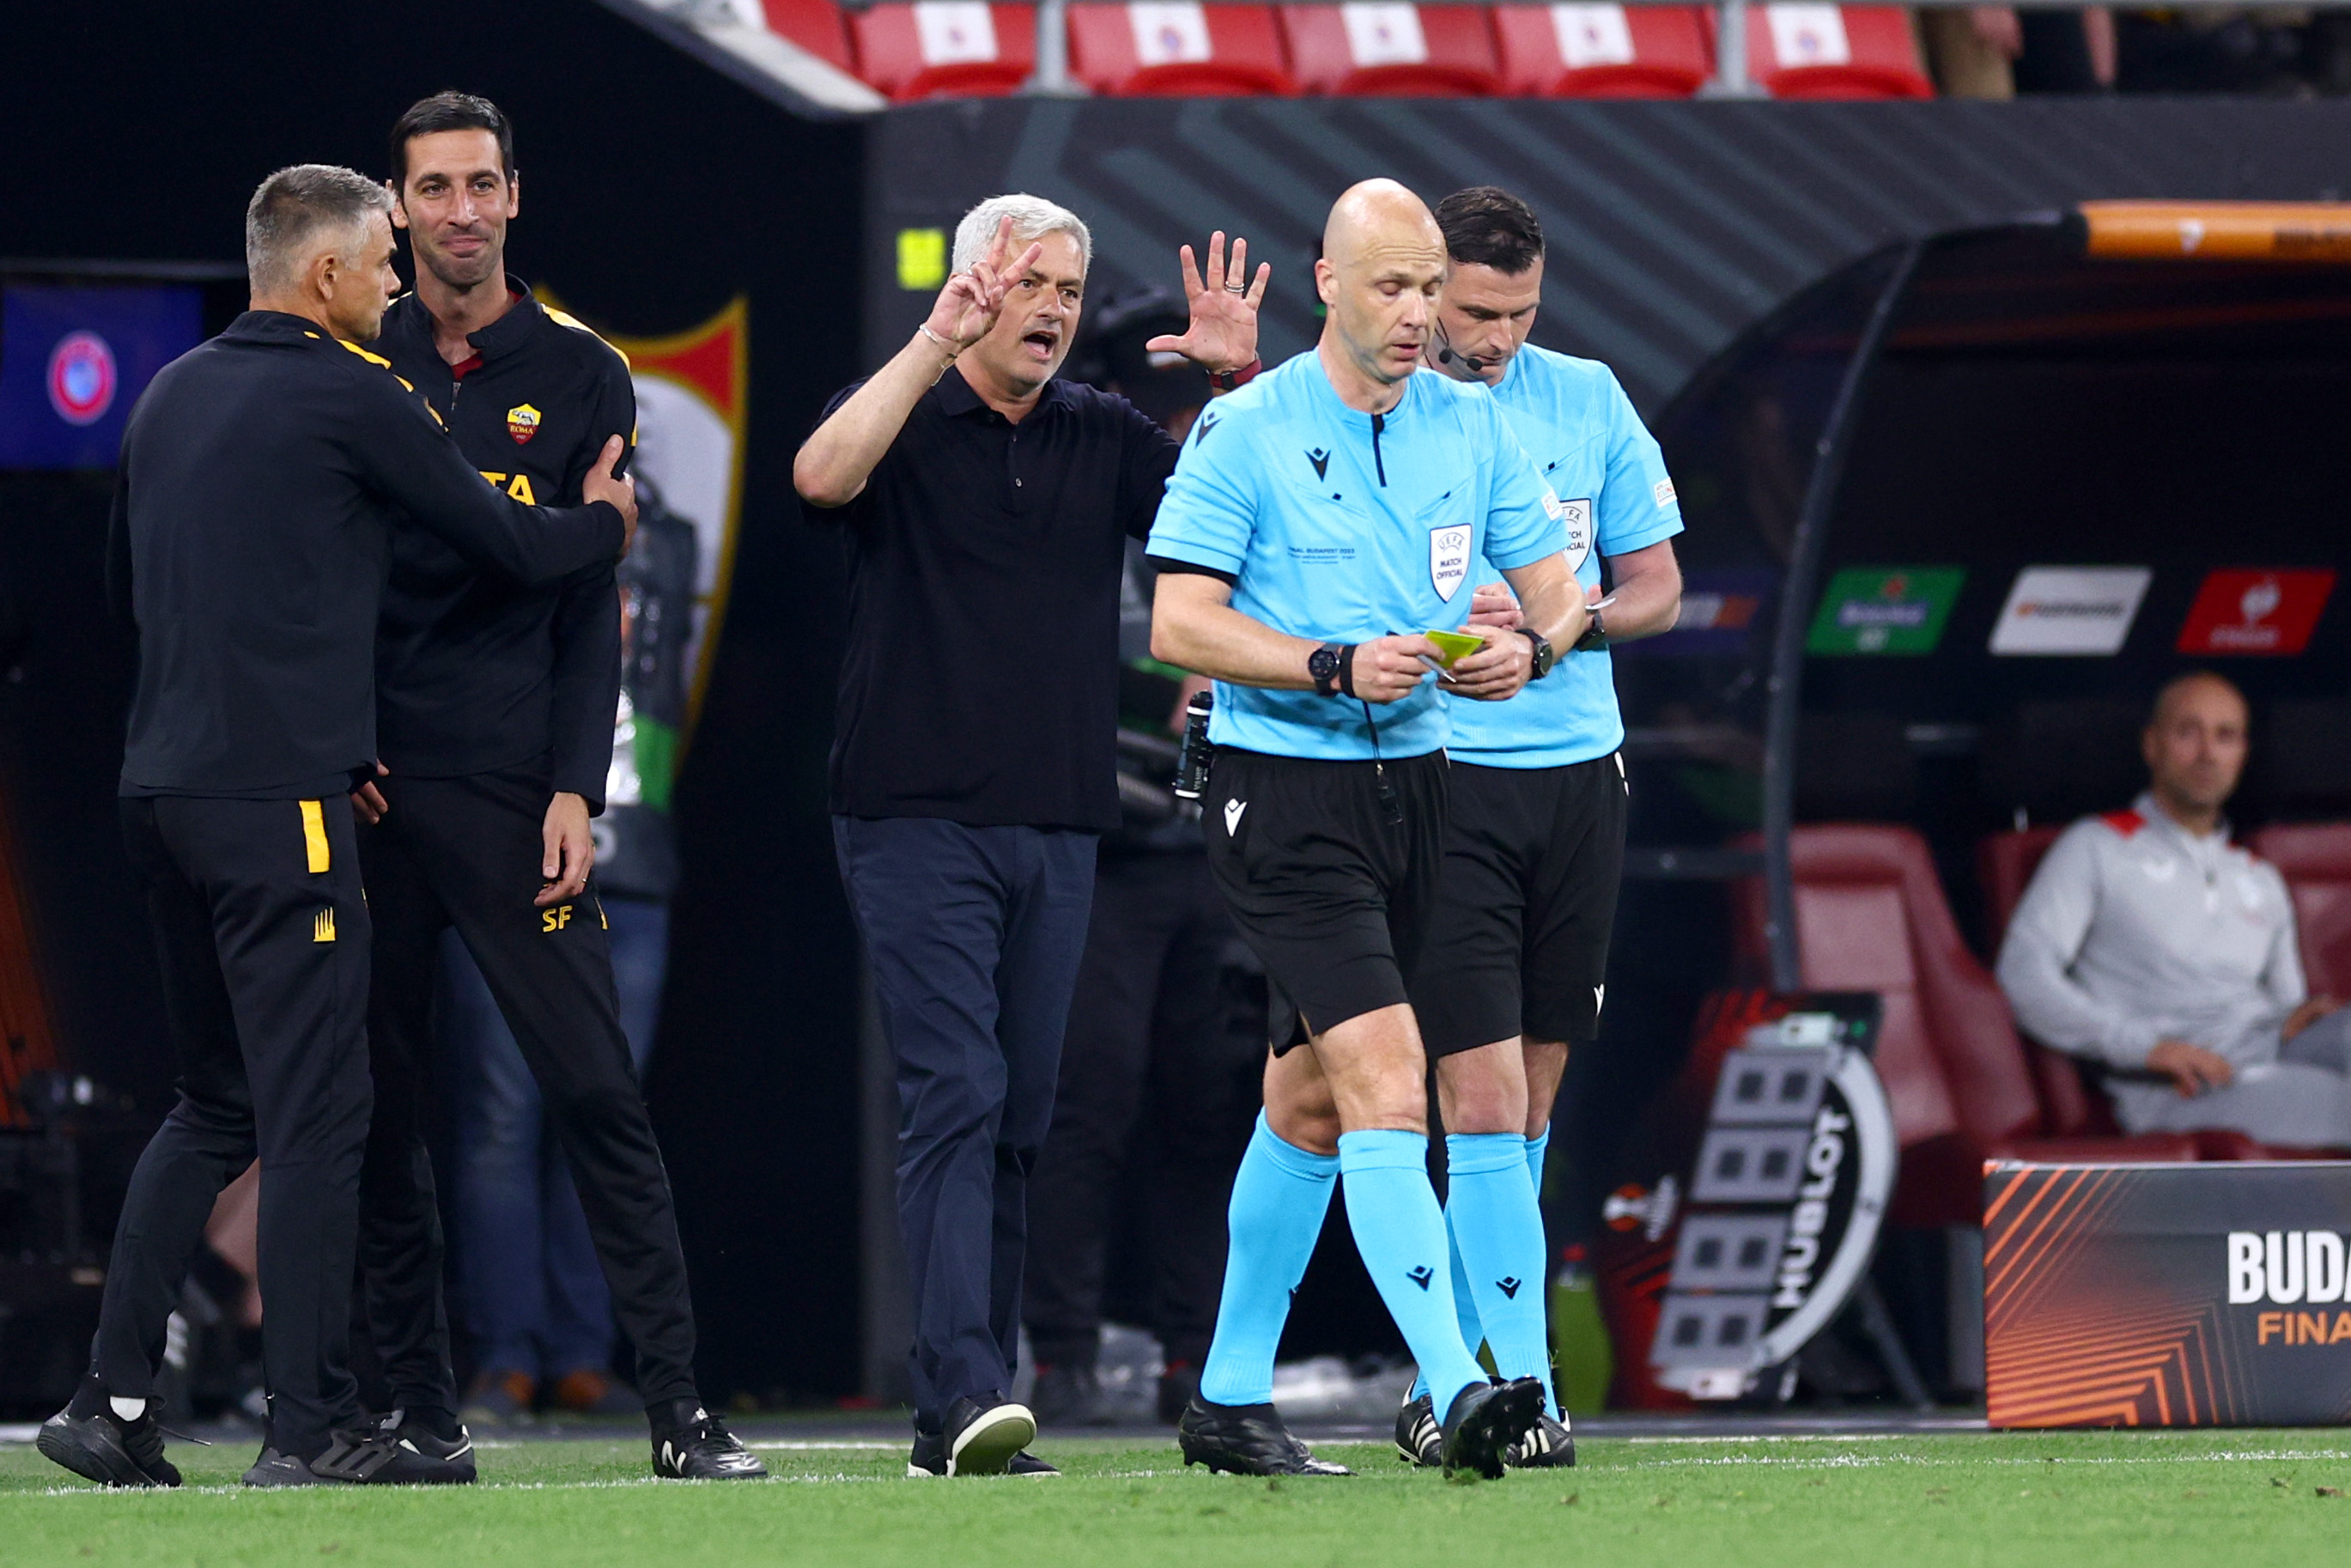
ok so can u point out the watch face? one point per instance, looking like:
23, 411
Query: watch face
1323, 663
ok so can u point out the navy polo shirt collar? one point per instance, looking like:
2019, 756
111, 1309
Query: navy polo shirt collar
958, 398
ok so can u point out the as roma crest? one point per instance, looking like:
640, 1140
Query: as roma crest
522, 423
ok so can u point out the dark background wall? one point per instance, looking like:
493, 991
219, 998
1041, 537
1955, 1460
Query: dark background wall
1673, 227
654, 192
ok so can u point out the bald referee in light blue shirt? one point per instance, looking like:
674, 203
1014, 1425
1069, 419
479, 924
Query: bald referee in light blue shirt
1516, 972
1318, 522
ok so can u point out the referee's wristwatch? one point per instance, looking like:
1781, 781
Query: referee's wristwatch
1328, 665
1596, 633
1545, 657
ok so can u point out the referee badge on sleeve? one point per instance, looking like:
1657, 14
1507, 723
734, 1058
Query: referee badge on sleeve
1576, 518
1449, 559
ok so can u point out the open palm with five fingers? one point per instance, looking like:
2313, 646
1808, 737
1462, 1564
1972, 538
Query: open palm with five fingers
966, 309
1222, 333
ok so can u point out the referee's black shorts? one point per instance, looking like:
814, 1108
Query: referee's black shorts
1332, 886
1533, 860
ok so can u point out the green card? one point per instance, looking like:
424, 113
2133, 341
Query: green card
1885, 610
1452, 646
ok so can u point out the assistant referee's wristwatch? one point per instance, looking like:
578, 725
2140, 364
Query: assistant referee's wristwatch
1545, 657
1324, 665
1596, 633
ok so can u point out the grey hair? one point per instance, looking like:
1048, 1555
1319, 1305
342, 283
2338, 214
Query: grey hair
283, 221
1033, 217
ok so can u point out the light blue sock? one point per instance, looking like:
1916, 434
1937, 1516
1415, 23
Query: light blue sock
1280, 1196
1465, 1307
1401, 1234
1537, 1146
1465, 1299
1492, 1214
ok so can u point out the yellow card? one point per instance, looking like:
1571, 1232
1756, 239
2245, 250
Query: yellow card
1452, 646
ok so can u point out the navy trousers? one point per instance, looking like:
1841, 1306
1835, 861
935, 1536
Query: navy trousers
974, 936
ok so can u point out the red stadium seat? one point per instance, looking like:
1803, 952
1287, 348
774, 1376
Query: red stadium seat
2004, 866
816, 25
1183, 49
1834, 51
1417, 51
2314, 858
945, 48
1871, 916
1603, 51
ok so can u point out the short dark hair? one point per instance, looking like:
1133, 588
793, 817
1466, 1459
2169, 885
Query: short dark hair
1485, 225
449, 112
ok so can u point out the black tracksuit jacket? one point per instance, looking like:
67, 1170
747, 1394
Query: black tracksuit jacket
476, 672
264, 476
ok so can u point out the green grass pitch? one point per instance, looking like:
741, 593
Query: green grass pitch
2134, 1499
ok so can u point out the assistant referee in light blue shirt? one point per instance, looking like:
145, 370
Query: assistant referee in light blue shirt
1319, 521
1515, 973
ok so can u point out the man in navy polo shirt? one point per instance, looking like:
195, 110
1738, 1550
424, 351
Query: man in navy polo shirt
1320, 522
986, 507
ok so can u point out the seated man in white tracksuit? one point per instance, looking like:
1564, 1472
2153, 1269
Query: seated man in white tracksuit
2150, 943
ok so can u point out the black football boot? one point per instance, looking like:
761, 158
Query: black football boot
1419, 1441
1245, 1440
1485, 1420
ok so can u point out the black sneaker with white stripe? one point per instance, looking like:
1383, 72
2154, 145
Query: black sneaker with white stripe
929, 1460
1546, 1445
104, 1448
984, 1434
1419, 1439
690, 1444
275, 1469
392, 1450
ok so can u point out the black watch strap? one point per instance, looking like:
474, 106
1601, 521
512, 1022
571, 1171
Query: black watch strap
1329, 667
1545, 657
1595, 634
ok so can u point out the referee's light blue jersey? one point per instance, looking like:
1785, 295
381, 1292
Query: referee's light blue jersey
1605, 466
1344, 526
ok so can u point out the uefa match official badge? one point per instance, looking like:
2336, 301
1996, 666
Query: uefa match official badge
522, 423
1449, 560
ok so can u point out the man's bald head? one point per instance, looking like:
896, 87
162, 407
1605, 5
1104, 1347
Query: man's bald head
2195, 747
1375, 216
2193, 685
1383, 264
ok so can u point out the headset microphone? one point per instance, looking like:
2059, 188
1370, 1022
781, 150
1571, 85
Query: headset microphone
1446, 356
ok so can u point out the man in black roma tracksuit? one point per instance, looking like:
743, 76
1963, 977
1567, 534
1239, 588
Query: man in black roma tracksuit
495, 702
263, 478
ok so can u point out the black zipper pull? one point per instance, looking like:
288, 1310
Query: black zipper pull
1379, 464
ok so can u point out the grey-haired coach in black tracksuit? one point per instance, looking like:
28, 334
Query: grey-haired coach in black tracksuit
262, 477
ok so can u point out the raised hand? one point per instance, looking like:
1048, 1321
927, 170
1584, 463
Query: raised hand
1222, 332
967, 307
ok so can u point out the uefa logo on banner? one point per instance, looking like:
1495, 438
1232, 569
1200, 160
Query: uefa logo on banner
81, 378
